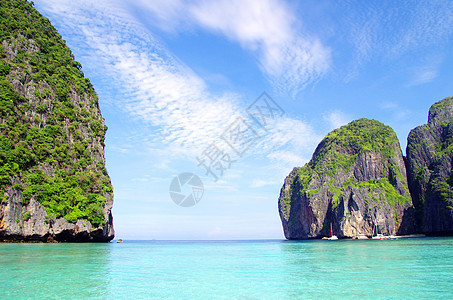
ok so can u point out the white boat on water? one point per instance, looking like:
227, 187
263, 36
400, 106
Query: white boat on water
380, 236
332, 236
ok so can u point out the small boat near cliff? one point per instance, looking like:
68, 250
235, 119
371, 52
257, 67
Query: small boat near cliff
380, 236
332, 236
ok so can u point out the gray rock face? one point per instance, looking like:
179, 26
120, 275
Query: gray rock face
429, 169
354, 183
36, 227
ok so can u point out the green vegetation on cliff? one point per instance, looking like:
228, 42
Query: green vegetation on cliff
342, 146
338, 152
442, 104
51, 130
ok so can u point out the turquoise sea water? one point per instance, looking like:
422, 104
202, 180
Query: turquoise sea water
406, 268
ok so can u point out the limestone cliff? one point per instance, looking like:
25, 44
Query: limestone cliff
53, 181
355, 181
429, 169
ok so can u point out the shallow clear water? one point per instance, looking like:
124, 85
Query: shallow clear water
406, 268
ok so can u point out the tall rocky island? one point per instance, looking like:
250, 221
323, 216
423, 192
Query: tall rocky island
355, 183
429, 169
359, 183
53, 181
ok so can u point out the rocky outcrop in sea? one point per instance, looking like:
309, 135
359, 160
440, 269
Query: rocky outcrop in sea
354, 183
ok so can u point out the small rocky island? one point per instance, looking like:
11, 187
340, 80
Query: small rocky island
53, 181
358, 183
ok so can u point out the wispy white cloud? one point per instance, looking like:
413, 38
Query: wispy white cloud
165, 14
289, 158
258, 183
221, 185
215, 232
395, 110
288, 142
403, 114
387, 31
297, 140
122, 150
388, 105
149, 178
289, 58
336, 119
419, 23
424, 76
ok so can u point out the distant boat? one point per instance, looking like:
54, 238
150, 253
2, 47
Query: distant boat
119, 241
378, 236
332, 237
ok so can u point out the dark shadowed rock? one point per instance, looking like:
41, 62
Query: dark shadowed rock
429, 169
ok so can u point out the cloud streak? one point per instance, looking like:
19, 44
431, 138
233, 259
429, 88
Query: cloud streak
288, 58
387, 31
336, 119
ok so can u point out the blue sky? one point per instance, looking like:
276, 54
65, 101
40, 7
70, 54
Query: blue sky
173, 76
